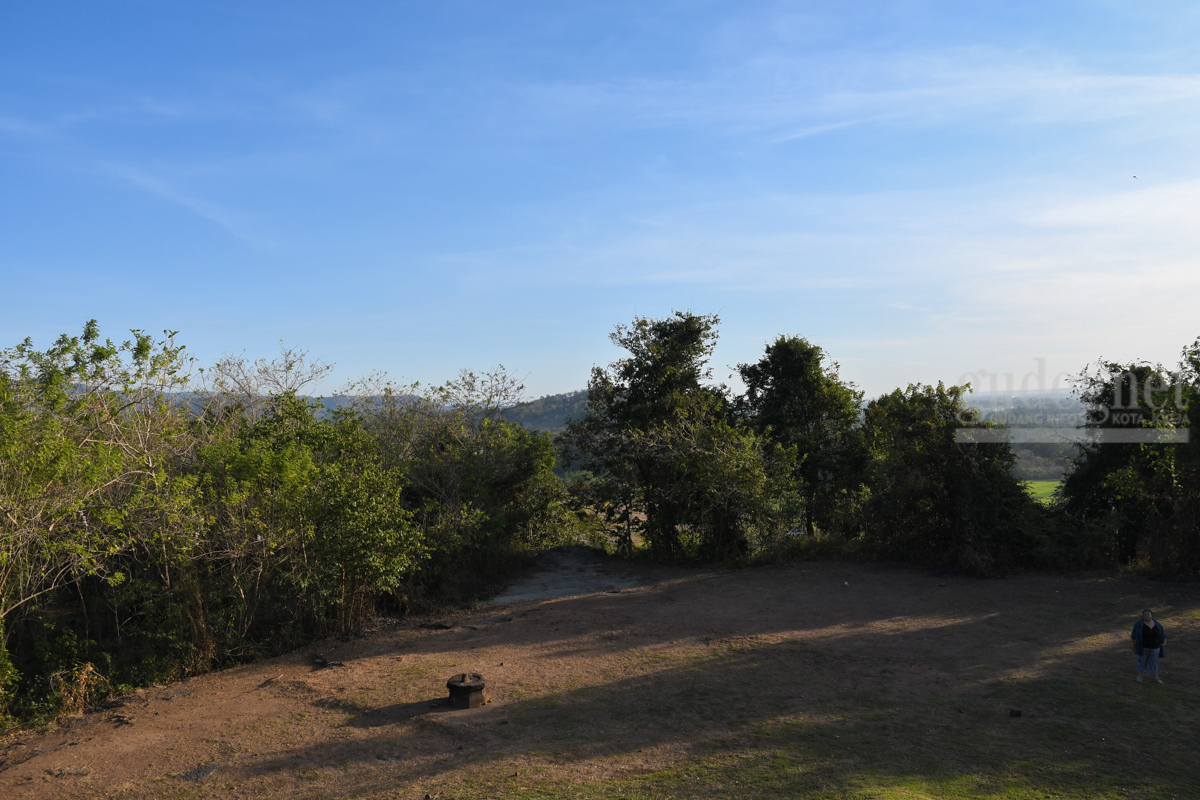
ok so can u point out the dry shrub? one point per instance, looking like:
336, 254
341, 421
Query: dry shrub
79, 689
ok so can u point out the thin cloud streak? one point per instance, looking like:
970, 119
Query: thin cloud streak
794, 97
365, 116
817, 130
26, 128
938, 89
231, 222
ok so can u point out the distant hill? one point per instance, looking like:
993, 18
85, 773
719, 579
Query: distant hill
549, 413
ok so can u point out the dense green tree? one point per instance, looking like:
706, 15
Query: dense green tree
152, 527
302, 507
88, 444
482, 489
728, 488
931, 499
86, 439
669, 463
795, 397
659, 380
1144, 495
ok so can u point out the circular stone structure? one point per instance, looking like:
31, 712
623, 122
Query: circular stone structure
467, 690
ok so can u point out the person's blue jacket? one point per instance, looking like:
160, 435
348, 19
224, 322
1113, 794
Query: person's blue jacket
1137, 637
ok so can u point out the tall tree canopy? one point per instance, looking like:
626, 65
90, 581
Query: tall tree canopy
669, 462
1144, 496
933, 500
794, 396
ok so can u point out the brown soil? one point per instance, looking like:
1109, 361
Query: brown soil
596, 669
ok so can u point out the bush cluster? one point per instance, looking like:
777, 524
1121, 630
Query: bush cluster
156, 524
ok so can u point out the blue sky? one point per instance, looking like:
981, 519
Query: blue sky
926, 189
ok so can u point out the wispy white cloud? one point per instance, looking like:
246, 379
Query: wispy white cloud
748, 98
818, 94
232, 222
817, 130
770, 99
978, 277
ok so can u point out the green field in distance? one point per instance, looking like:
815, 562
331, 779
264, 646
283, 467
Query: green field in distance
1042, 490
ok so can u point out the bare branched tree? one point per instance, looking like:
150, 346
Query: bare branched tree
486, 395
237, 382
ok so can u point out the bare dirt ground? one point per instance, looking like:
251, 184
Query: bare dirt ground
609, 678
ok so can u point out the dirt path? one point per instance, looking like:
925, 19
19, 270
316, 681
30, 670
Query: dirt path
570, 571
601, 673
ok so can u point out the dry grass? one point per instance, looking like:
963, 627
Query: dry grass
767, 682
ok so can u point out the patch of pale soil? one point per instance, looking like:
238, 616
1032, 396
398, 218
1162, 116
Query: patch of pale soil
618, 670
570, 571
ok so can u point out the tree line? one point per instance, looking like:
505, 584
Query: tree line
160, 521
801, 464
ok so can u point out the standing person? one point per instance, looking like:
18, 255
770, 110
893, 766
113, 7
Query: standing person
1148, 638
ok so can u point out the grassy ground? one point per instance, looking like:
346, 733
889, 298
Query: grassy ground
856, 736
811, 681
1042, 490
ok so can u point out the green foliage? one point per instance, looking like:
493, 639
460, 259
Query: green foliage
302, 507
931, 500
1143, 497
669, 463
85, 443
668, 359
482, 489
150, 532
794, 399
8, 677
152, 527
90, 448
727, 488
364, 542
660, 380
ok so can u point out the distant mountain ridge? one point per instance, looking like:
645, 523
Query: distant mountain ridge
549, 413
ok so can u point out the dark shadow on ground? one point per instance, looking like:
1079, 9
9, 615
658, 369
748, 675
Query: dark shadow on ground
398, 713
931, 701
